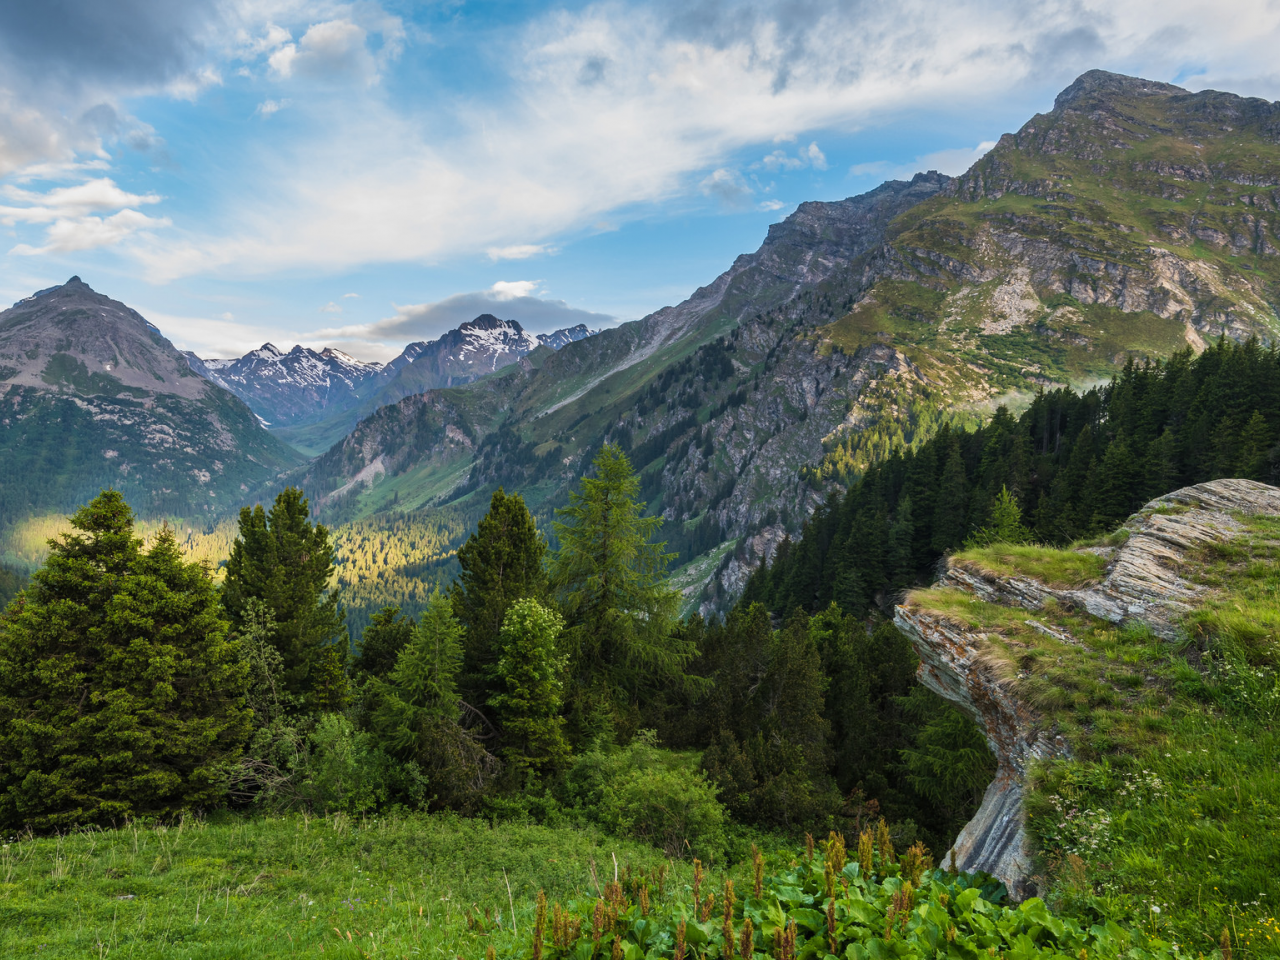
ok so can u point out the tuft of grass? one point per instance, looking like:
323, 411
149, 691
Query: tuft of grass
1061, 569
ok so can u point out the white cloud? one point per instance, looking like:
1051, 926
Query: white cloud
339, 49
952, 162
780, 160
267, 107
519, 251
771, 205
513, 289
86, 233
727, 186
331, 307
612, 106
817, 159
92, 196
507, 299
350, 296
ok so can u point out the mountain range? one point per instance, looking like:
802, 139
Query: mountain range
1132, 220
330, 392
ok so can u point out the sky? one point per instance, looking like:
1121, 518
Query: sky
362, 175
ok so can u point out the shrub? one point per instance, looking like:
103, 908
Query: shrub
652, 794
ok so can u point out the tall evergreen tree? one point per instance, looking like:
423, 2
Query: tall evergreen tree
387, 634
529, 677
120, 693
417, 710
611, 583
501, 562
952, 503
285, 561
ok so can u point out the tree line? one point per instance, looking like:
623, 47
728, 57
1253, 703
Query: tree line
542, 680
1074, 465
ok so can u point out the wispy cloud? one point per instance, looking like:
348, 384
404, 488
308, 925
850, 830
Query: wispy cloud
268, 107
588, 115
520, 251
86, 233
952, 162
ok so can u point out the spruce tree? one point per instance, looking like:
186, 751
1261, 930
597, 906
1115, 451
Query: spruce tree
1004, 525
611, 583
387, 634
952, 504
285, 561
417, 709
529, 681
120, 692
501, 562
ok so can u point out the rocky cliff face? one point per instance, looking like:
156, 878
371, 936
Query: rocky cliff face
1147, 580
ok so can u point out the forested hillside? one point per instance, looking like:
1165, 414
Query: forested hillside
93, 396
1071, 466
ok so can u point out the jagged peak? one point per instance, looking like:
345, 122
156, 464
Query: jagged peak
1105, 85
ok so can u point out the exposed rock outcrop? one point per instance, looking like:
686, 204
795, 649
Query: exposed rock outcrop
1144, 582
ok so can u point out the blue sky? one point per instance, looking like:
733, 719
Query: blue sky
365, 174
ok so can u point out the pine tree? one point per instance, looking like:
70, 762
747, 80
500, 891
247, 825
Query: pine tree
1255, 448
286, 562
501, 562
952, 504
1114, 489
120, 692
417, 709
529, 680
387, 634
611, 583
1005, 524
900, 554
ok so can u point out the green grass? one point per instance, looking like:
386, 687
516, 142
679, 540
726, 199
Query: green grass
1061, 569
296, 886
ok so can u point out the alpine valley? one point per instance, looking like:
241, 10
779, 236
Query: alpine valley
1133, 220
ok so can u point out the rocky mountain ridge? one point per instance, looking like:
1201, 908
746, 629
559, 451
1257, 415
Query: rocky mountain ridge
1075, 244
313, 398
1148, 580
290, 387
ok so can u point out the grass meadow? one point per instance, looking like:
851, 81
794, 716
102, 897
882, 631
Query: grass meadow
294, 886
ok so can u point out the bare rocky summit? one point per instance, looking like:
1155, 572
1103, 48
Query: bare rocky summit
1146, 581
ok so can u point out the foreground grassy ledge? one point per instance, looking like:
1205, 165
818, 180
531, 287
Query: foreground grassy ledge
1161, 807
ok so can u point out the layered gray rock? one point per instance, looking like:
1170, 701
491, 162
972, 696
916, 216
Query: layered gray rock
1143, 583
